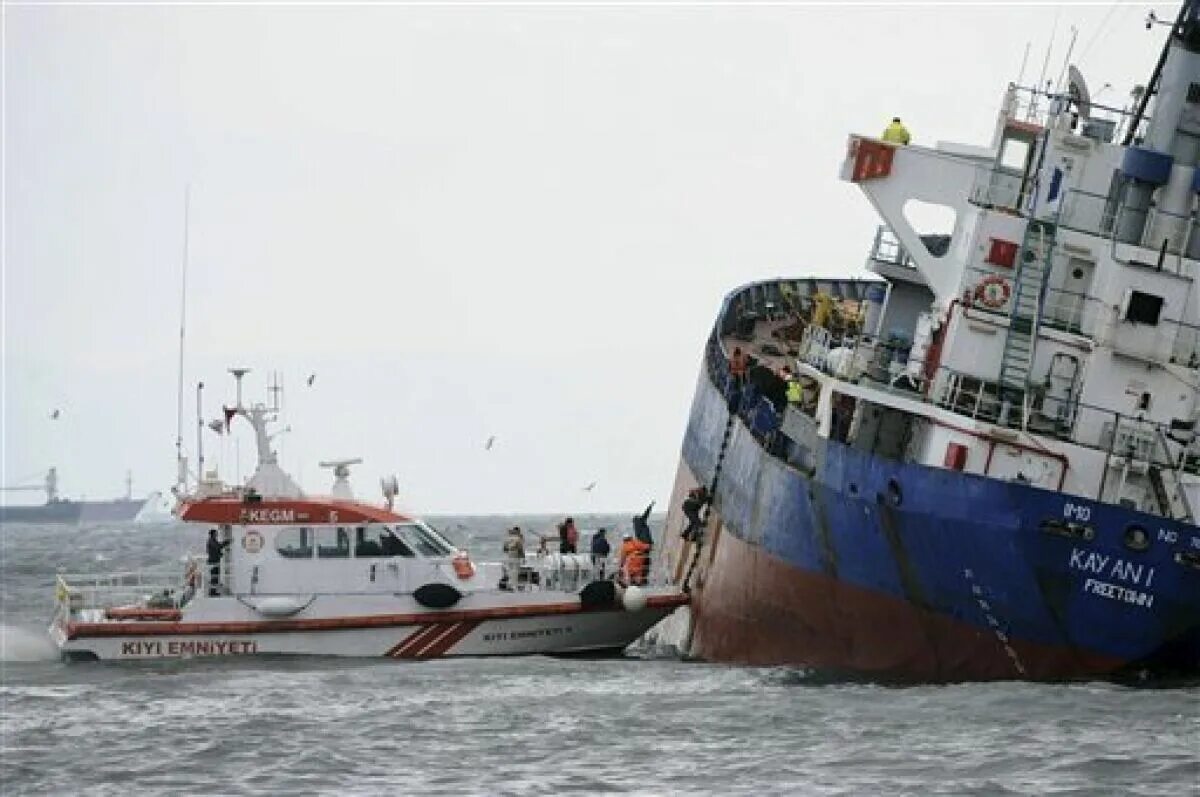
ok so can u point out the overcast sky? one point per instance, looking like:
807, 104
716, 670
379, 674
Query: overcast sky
466, 221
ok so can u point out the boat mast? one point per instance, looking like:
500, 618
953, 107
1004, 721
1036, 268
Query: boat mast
180, 460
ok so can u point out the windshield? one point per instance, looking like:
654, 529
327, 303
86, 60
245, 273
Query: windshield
424, 540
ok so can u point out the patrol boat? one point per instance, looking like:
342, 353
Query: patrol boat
337, 576
982, 463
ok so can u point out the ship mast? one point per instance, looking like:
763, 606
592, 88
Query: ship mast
180, 460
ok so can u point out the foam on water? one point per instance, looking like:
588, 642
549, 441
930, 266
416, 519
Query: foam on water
26, 644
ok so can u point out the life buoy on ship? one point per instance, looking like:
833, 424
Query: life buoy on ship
993, 291
463, 568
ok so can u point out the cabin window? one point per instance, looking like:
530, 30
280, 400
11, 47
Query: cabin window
424, 541
333, 543
1144, 308
1014, 154
372, 541
294, 543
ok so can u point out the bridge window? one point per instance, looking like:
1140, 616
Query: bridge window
372, 541
424, 540
294, 543
333, 543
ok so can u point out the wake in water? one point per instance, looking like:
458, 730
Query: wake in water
26, 644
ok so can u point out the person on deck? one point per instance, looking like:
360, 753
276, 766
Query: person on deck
514, 551
633, 560
568, 537
738, 365
600, 551
896, 132
215, 550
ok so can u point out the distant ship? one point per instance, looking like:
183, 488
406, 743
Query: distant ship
65, 510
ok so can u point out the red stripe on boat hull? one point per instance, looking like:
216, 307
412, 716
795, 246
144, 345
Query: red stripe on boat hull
155, 629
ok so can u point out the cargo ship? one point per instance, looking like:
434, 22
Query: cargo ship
981, 462
57, 509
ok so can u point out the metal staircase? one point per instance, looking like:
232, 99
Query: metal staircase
1037, 254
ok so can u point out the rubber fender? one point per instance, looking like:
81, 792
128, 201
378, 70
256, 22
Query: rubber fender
1147, 165
437, 596
598, 595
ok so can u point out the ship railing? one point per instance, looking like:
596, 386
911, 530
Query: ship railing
886, 248
166, 587
999, 187
1065, 418
1105, 123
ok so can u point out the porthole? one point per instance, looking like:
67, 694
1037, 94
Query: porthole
1136, 538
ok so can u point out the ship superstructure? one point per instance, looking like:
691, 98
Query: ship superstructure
994, 472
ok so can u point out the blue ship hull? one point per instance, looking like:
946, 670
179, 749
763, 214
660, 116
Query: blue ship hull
834, 558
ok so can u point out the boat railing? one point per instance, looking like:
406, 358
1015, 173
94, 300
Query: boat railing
159, 587
570, 573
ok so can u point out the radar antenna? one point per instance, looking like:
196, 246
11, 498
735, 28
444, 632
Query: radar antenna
341, 476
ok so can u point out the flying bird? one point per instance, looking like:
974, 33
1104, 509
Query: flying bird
54, 415
311, 378
490, 442
217, 425
588, 489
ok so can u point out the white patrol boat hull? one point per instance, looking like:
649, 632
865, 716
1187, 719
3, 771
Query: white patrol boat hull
393, 626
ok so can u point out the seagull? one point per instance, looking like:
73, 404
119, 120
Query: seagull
217, 425
588, 489
54, 415
490, 442
311, 378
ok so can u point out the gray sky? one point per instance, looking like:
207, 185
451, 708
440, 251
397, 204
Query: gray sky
467, 221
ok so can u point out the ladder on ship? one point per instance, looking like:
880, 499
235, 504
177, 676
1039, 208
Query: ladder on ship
1036, 257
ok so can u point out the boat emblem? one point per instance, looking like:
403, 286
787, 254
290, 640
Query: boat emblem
252, 541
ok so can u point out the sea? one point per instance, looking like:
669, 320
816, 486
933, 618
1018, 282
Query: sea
646, 723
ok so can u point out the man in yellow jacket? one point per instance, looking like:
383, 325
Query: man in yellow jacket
896, 133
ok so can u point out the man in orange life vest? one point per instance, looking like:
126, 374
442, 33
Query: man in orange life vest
633, 560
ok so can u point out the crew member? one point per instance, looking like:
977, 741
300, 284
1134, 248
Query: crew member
738, 365
896, 132
514, 550
633, 559
692, 505
215, 549
600, 551
568, 537
794, 392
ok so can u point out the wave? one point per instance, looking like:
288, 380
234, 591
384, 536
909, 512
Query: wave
26, 644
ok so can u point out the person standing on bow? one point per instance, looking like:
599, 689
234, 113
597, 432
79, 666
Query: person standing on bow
215, 550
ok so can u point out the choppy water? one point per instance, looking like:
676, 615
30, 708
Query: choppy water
535, 725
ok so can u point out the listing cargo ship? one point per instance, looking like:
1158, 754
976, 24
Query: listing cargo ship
981, 463
57, 509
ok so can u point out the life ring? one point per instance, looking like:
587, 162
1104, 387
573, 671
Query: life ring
462, 565
252, 541
993, 291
